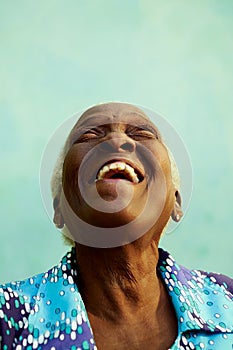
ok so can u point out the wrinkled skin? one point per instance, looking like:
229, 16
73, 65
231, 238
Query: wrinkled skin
126, 301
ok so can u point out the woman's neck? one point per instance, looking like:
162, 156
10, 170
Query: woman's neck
119, 281
126, 301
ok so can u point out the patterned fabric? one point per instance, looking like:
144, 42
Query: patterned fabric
47, 312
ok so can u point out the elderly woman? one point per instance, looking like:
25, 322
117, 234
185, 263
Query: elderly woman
115, 193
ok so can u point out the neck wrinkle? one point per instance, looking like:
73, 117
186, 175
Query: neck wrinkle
118, 282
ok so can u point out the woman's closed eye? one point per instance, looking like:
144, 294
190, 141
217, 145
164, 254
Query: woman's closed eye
89, 135
142, 133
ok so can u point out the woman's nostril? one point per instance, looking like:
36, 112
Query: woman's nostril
127, 146
117, 145
107, 147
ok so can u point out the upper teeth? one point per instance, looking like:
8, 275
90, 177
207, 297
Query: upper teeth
119, 166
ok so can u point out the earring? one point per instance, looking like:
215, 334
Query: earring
59, 225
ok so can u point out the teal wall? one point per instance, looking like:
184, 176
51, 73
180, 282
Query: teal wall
58, 57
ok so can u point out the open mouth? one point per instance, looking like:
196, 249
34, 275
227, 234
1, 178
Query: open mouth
119, 170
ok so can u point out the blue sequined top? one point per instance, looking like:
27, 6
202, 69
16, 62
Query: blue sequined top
47, 311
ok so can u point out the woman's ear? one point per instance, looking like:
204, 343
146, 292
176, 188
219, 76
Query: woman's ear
57, 218
177, 212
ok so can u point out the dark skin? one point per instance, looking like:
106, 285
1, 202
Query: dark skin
126, 301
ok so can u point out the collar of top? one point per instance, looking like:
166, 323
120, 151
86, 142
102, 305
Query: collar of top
202, 301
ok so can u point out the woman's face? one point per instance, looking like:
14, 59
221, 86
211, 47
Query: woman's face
116, 158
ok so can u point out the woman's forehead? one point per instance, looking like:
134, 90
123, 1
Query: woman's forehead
113, 113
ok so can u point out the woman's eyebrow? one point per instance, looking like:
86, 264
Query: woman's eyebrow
91, 119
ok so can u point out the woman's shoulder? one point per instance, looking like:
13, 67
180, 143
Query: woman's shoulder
217, 280
202, 300
21, 290
28, 287
21, 297
193, 277
35, 310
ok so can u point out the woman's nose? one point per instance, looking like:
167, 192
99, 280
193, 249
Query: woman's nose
118, 142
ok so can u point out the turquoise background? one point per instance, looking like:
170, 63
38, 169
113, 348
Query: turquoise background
58, 57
